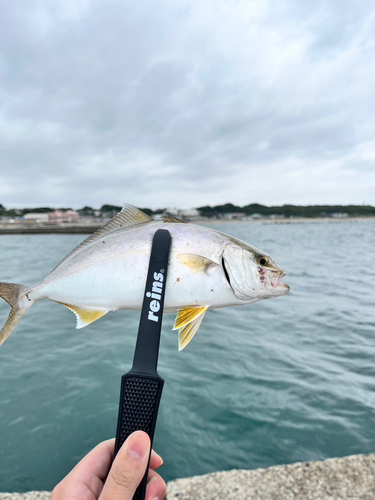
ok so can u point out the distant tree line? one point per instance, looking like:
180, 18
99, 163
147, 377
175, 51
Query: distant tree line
19, 212
221, 210
288, 210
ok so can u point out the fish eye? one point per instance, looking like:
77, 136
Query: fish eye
262, 260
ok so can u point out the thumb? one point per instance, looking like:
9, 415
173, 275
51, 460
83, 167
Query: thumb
128, 468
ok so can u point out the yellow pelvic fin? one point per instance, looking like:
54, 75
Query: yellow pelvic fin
186, 333
84, 315
186, 315
196, 263
188, 321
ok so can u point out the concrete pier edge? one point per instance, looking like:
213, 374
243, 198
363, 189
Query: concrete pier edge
347, 478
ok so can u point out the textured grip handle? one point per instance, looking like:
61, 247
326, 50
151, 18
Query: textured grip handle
138, 410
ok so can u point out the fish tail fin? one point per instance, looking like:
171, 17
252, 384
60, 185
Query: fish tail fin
12, 293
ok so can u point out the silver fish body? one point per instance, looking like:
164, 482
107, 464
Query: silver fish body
207, 269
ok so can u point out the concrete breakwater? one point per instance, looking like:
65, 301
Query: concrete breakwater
48, 229
89, 228
345, 478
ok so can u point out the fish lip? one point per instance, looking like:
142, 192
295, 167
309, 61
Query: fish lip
284, 287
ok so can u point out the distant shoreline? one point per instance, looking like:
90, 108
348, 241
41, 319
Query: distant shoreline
50, 229
6, 229
299, 220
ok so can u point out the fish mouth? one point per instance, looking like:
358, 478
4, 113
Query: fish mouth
272, 278
276, 283
275, 279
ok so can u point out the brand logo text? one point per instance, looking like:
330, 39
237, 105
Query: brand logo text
155, 294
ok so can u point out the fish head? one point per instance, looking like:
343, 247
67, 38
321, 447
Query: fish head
252, 274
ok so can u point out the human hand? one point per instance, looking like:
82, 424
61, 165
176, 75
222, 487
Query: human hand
96, 478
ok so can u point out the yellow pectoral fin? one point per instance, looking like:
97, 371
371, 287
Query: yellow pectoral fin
84, 315
196, 263
186, 333
186, 315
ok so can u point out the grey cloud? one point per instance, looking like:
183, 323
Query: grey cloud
96, 96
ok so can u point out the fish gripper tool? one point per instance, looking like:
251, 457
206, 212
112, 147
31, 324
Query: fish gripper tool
141, 388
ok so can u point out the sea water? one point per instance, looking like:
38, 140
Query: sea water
283, 380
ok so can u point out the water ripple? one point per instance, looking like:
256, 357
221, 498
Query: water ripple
275, 382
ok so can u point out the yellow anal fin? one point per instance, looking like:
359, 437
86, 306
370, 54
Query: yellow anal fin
196, 263
186, 315
84, 316
186, 333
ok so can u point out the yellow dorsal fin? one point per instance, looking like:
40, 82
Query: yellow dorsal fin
186, 315
196, 263
170, 218
187, 332
84, 315
129, 216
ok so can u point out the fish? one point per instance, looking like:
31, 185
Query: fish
107, 272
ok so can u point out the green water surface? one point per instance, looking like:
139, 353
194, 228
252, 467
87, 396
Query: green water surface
284, 380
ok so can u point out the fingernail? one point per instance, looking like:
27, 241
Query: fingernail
138, 445
159, 457
156, 498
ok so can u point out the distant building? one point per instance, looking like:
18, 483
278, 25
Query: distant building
339, 215
59, 217
188, 215
35, 217
172, 212
191, 214
235, 215
56, 217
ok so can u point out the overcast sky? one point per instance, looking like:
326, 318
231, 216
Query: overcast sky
178, 103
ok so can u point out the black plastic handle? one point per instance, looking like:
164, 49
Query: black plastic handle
139, 405
141, 388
